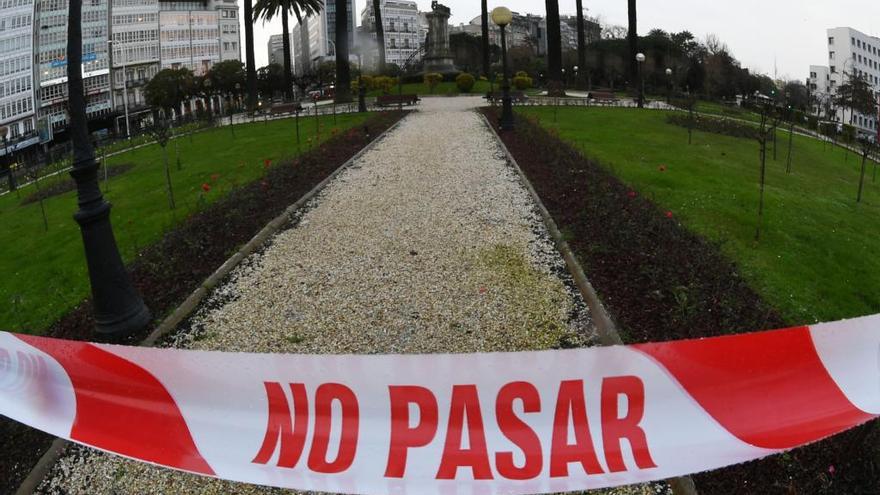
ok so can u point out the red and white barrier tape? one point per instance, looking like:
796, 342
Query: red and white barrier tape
512, 423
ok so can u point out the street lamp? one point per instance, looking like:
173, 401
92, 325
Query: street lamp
640, 58
118, 308
124, 87
668, 86
576, 80
502, 16
564, 80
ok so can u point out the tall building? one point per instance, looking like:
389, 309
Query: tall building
275, 49
189, 37
51, 59
300, 49
321, 30
17, 106
230, 40
524, 30
403, 36
853, 53
134, 57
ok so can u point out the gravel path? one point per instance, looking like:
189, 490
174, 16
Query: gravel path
429, 243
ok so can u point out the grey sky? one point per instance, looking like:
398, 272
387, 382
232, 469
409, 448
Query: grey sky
757, 31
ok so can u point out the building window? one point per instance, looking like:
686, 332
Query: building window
831, 55
831, 40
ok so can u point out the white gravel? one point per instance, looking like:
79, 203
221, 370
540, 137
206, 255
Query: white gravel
429, 243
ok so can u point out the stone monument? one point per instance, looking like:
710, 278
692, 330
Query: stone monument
437, 54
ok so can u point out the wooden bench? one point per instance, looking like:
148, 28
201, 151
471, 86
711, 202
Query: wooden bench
515, 96
603, 97
285, 108
391, 100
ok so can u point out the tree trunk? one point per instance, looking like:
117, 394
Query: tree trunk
249, 55
288, 76
581, 37
633, 41
554, 50
343, 68
485, 41
380, 34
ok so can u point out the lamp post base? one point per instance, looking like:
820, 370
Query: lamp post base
506, 123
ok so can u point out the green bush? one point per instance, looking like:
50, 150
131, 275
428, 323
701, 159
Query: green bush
522, 83
384, 83
465, 82
432, 79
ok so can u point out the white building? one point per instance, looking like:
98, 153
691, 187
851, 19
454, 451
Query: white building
853, 53
189, 37
819, 85
51, 57
17, 107
230, 40
134, 57
403, 34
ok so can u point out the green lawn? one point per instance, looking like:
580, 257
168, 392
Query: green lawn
443, 89
44, 273
713, 108
818, 256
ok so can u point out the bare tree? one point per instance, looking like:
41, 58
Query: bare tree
766, 132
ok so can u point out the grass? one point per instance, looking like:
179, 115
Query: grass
713, 108
443, 89
44, 273
817, 258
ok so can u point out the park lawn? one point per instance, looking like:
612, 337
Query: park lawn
443, 89
44, 273
817, 258
713, 108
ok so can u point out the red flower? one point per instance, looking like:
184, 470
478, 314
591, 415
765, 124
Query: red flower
206, 187
214, 177
831, 469
662, 168
668, 214
267, 163
631, 194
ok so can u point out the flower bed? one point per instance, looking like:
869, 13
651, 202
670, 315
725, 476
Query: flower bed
167, 272
661, 282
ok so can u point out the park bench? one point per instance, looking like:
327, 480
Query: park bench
285, 108
603, 97
515, 96
390, 100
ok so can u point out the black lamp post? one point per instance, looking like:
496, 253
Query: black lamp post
640, 58
362, 94
119, 310
502, 16
669, 86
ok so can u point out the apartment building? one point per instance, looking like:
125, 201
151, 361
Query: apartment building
853, 53
403, 33
50, 54
17, 106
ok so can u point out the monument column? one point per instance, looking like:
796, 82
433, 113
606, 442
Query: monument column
437, 55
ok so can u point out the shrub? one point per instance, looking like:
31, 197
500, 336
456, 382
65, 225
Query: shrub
432, 79
465, 82
849, 133
384, 83
522, 83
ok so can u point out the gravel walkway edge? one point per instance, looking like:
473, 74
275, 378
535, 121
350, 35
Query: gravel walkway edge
607, 330
186, 309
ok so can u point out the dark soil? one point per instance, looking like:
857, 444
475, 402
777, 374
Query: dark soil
58, 188
169, 271
661, 282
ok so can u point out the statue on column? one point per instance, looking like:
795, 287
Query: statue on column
438, 57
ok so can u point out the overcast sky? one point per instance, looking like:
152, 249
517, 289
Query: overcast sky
789, 33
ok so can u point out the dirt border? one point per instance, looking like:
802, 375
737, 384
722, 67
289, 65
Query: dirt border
30, 484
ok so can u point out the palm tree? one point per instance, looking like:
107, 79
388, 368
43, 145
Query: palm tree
633, 39
268, 9
343, 67
554, 50
582, 42
250, 66
485, 40
380, 34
